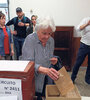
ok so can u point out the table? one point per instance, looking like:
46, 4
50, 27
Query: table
85, 98
8, 98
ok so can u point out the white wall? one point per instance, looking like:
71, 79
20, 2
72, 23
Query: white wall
64, 12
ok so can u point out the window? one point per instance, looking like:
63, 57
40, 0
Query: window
4, 8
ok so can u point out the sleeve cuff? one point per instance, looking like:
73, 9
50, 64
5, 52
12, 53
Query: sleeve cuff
36, 68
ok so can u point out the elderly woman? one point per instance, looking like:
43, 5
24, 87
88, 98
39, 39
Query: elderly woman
6, 45
39, 47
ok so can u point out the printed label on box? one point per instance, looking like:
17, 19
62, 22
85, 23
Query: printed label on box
10, 87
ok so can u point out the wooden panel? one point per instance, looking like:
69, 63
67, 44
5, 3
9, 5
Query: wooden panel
63, 37
66, 46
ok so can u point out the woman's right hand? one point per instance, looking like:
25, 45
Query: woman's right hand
51, 72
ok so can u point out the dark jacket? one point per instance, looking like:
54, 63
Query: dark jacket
29, 29
21, 30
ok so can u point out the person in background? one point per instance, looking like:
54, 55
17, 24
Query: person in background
31, 28
39, 47
6, 43
19, 34
33, 19
84, 50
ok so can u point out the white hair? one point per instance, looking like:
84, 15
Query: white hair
45, 22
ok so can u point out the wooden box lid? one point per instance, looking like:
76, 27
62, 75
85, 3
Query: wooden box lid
15, 68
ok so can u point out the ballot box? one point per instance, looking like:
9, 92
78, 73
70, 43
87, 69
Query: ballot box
17, 79
52, 93
64, 89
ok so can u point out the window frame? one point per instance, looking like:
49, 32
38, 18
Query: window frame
6, 5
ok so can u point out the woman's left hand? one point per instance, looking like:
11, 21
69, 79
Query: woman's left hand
12, 52
53, 60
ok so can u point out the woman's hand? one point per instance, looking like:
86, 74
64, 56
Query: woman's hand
52, 73
53, 60
0, 57
12, 52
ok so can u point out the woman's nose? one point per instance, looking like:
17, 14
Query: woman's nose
47, 36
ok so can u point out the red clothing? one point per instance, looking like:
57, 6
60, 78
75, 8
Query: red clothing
6, 41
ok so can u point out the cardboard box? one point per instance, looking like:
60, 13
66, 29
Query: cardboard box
64, 83
52, 93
